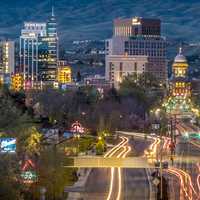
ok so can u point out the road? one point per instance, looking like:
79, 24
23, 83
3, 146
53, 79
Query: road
134, 183
130, 184
187, 174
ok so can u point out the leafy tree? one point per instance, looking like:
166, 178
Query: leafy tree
9, 176
52, 175
12, 117
100, 146
33, 142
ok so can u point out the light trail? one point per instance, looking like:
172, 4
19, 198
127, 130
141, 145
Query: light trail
120, 184
167, 142
109, 154
195, 144
122, 145
128, 150
198, 183
198, 179
184, 178
188, 178
122, 154
117, 146
111, 183
153, 148
182, 184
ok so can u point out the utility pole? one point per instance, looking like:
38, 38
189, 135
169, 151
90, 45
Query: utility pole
172, 136
161, 165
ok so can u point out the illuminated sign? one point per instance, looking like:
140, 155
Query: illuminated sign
7, 145
136, 21
29, 176
77, 128
28, 173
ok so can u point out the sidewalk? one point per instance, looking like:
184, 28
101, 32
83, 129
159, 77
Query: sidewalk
83, 175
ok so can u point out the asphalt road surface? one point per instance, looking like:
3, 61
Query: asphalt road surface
135, 182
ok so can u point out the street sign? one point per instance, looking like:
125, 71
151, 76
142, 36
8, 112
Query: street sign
155, 126
156, 181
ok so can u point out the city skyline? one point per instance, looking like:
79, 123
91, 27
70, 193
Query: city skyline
90, 115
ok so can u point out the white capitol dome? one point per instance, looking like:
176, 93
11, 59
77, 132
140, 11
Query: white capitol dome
180, 57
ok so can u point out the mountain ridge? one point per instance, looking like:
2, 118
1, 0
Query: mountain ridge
92, 19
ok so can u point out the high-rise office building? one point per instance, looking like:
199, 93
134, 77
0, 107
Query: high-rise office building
120, 66
7, 61
137, 26
51, 41
39, 52
139, 38
30, 41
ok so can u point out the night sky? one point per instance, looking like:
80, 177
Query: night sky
84, 19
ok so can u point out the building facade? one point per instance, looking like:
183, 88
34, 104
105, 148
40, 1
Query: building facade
30, 40
179, 100
139, 38
137, 26
7, 61
122, 66
17, 82
64, 75
180, 85
51, 41
39, 52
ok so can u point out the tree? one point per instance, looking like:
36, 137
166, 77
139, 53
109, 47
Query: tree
12, 117
100, 146
52, 175
33, 142
130, 86
9, 176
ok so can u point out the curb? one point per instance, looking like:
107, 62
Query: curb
80, 183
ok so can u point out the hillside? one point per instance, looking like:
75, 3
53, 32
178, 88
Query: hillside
92, 19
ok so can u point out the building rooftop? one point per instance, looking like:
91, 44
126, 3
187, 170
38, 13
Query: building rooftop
180, 57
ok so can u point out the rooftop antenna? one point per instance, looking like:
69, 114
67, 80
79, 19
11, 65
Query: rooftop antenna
52, 8
52, 12
180, 49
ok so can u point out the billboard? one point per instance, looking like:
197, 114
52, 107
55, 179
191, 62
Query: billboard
7, 145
